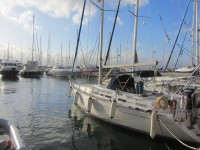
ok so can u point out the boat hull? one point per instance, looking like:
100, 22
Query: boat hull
131, 118
31, 73
59, 73
11, 133
90, 73
9, 73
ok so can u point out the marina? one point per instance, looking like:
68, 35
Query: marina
109, 75
48, 119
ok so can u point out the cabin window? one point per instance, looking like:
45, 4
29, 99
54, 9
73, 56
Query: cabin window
107, 96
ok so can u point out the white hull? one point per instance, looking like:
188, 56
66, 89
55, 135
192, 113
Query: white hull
188, 69
9, 68
59, 72
131, 118
94, 73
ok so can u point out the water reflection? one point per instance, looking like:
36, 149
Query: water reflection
48, 120
90, 133
11, 78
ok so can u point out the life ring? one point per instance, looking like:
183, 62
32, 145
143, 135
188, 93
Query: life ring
162, 102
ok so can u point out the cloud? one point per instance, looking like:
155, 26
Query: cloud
71, 9
25, 18
8, 13
119, 21
133, 2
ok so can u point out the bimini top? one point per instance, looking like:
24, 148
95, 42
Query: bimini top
147, 73
122, 82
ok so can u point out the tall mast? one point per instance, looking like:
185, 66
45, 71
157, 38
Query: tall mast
197, 35
117, 57
21, 54
11, 57
101, 42
126, 52
4, 54
61, 56
135, 35
69, 55
8, 54
192, 47
48, 50
79, 33
32, 40
40, 50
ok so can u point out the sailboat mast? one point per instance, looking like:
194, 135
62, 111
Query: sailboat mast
8, 54
192, 47
78, 39
48, 51
197, 35
40, 50
21, 54
135, 35
32, 41
61, 56
69, 55
101, 42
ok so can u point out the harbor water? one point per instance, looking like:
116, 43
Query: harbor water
48, 119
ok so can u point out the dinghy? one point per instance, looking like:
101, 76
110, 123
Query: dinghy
10, 137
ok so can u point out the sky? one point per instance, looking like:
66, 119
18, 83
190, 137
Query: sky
57, 23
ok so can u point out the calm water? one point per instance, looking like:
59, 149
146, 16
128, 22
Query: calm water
48, 119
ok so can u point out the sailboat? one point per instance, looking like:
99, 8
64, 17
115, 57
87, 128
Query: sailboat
124, 102
10, 137
195, 39
60, 70
186, 77
31, 69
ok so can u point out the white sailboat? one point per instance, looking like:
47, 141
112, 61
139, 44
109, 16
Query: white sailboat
125, 103
195, 41
60, 71
187, 69
31, 69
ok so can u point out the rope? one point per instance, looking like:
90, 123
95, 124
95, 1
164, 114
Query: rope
163, 135
194, 148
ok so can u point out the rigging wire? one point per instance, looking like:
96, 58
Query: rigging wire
90, 59
178, 34
164, 28
180, 5
181, 49
188, 51
78, 39
88, 31
108, 51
